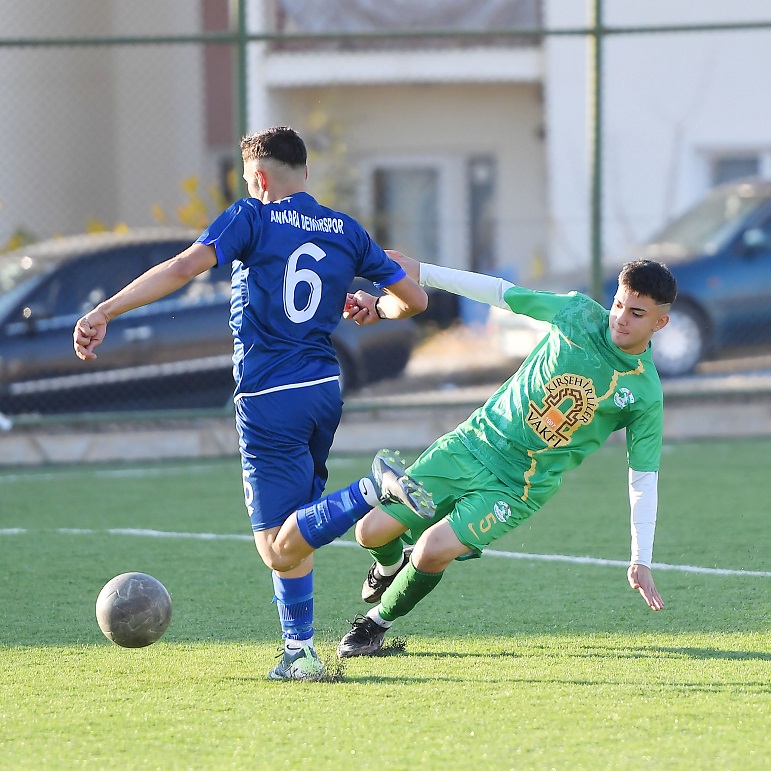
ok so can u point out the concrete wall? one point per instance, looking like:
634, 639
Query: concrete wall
410, 428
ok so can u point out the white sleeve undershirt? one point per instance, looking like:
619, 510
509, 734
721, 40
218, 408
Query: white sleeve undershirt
475, 286
643, 502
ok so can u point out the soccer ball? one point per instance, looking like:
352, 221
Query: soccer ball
133, 610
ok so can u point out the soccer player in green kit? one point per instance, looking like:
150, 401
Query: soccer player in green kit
590, 376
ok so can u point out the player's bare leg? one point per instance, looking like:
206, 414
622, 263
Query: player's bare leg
380, 533
378, 527
288, 550
434, 551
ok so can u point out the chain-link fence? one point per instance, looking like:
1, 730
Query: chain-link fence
455, 132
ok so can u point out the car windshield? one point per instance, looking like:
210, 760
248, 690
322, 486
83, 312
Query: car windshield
705, 228
17, 268
16, 271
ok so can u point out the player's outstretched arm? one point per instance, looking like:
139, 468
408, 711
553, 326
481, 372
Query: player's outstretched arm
643, 503
640, 578
157, 282
475, 286
402, 299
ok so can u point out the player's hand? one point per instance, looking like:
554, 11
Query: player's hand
640, 578
351, 306
89, 332
360, 308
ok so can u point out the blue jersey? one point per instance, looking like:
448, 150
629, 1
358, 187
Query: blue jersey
293, 262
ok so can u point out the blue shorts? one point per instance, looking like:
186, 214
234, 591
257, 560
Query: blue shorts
284, 438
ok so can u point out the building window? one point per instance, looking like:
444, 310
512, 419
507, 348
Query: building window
481, 176
406, 210
731, 167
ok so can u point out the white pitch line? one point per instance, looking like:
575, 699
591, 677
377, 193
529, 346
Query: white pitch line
114, 473
512, 555
123, 473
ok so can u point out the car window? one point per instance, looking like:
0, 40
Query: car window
16, 269
77, 285
209, 286
80, 285
764, 233
708, 225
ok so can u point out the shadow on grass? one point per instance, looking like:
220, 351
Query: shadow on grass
595, 651
758, 687
643, 653
711, 653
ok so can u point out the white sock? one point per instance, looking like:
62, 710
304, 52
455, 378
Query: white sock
367, 489
389, 570
374, 614
295, 645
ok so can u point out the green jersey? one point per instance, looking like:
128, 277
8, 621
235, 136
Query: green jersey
571, 393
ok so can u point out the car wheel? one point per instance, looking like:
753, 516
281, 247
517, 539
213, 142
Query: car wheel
681, 345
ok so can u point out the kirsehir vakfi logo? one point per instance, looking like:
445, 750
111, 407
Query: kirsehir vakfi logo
569, 401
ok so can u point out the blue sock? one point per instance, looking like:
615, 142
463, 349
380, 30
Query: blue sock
326, 519
294, 598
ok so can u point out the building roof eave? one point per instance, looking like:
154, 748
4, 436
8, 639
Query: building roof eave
467, 65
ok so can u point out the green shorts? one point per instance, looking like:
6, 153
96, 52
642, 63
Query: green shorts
478, 506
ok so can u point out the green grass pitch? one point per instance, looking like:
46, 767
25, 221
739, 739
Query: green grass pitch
512, 663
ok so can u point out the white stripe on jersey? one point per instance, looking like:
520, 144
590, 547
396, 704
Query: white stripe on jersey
288, 386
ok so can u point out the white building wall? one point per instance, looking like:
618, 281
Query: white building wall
158, 135
97, 133
672, 102
45, 103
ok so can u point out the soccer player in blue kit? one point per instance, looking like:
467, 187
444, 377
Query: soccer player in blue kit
293, 261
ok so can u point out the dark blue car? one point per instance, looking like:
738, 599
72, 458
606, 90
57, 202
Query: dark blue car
720, 253
174, 353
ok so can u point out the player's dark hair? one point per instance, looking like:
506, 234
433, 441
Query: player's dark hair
280, 143
649, 278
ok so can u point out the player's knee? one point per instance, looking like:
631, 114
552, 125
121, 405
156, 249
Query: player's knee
365, 534
279, 562
436, 549
273, 558
378, 528
370, 533
428, 560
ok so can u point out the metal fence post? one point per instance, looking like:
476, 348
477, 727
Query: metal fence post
238, 20
594, 94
